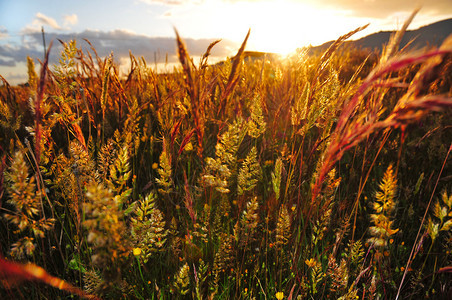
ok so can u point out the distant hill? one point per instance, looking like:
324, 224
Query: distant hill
430, 35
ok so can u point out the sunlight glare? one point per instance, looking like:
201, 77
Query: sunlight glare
276, 26
282, 26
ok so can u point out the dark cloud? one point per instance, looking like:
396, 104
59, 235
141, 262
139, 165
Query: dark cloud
118, 41
385, 8
7, 63
13, 54
376, 8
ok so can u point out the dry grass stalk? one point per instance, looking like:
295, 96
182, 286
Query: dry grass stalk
233, 76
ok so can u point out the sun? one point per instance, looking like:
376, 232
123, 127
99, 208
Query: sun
278, 27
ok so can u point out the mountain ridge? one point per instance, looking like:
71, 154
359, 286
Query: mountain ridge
429, 35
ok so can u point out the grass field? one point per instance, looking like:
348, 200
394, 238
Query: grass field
319, 176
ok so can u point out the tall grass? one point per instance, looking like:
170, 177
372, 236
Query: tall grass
295, 178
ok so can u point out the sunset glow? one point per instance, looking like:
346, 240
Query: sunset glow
276, 26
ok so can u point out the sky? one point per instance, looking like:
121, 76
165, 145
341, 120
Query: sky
146, 27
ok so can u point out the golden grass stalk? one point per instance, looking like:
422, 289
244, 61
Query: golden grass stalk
383, 206
38, 112
233, 76
394, 42
105, 80
206, 54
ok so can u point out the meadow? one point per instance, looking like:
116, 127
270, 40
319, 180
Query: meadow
316, 176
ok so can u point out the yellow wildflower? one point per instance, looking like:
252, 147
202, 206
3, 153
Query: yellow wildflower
188, 147
310, 262
136, 251
279, 295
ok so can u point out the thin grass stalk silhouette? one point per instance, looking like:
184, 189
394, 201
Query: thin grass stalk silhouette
408, 263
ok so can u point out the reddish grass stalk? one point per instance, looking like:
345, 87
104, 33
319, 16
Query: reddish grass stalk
187, 65
2, 176
12, 274
188, 201
197, 106
349, 132
185, 141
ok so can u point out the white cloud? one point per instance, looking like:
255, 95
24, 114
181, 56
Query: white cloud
42, 19
70, 20
39, 21
3, 33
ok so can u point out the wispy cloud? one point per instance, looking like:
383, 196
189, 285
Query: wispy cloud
45, 20
42, 20
39, 21
172, 2
70, 20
